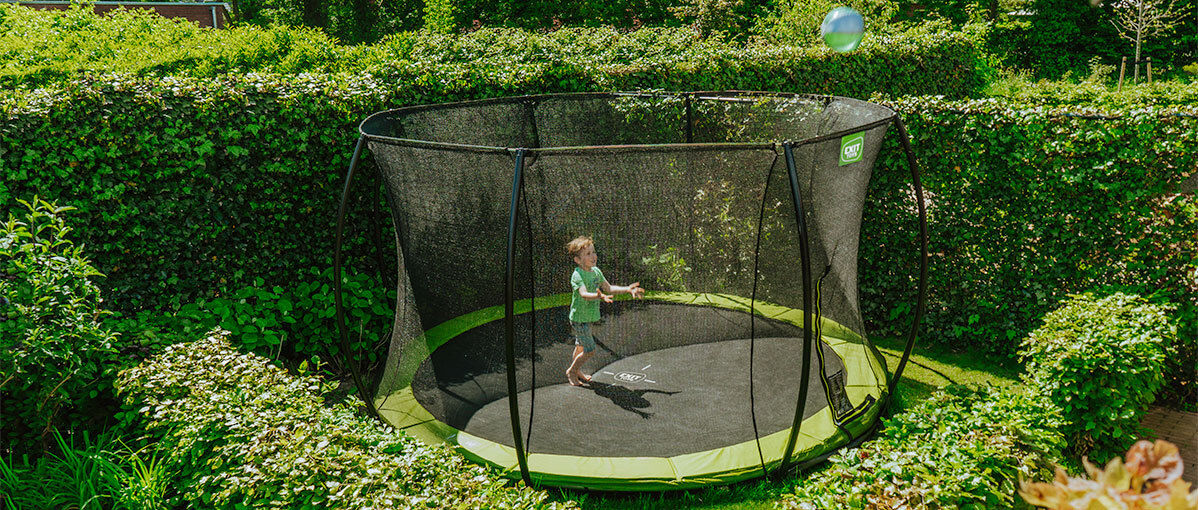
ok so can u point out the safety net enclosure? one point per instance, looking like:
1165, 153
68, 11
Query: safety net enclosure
738, 212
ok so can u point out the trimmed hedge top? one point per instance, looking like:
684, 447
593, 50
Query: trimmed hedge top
40, 48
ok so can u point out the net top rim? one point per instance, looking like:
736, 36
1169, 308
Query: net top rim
374, 119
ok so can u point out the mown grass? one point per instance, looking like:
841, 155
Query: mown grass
929, 369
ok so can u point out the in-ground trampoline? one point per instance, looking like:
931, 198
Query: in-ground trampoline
738, 212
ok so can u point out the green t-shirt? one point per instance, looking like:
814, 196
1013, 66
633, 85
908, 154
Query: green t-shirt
584, 310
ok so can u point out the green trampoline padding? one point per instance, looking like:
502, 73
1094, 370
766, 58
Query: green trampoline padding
865, 378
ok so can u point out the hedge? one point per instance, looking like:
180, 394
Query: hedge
193, 188
236, 431
965, 447
1101, 360
40, 48
1029, 204
1026, 206
188, 189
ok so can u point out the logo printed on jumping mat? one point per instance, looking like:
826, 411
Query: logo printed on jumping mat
852, 148
629, 377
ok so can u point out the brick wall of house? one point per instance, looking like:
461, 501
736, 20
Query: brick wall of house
200, 14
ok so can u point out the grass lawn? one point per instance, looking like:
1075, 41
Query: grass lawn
928, 370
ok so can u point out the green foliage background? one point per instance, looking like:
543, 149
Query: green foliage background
194, 188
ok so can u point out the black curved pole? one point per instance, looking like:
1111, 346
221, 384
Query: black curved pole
804, 254
921, 302
509, 317
341, 329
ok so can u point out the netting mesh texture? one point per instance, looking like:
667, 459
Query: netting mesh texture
685, 194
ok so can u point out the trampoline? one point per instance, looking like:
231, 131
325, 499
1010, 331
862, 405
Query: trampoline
738, 212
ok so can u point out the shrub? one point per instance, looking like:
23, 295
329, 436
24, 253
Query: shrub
56, 358
1100, 360
368, 313
965, 447
239, 432
300, 320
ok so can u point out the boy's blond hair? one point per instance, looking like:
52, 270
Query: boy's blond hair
575, 247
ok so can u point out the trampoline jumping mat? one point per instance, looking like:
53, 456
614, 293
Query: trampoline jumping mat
663, 403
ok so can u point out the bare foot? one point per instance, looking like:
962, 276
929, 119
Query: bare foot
574, 380
584, 378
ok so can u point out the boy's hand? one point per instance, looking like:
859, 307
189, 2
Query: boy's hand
636, 291
607, 298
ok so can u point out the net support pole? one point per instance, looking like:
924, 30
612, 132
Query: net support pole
509, 317
921, 299
805, 264
346, 352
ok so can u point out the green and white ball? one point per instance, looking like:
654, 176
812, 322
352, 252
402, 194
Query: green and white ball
842, 29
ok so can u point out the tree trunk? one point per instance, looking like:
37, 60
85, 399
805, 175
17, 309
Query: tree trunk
1139, 33
1136, 77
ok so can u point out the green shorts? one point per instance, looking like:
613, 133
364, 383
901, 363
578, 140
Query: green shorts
582, 335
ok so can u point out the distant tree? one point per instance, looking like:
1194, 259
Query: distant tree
1138, 19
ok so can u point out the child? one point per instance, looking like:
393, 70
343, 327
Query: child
590, 287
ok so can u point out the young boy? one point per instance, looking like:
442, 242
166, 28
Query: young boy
590, 287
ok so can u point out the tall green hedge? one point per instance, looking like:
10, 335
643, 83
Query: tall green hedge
1027, 205
39, 48
188, 187
193, 187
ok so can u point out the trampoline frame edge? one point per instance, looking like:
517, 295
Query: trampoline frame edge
746, 463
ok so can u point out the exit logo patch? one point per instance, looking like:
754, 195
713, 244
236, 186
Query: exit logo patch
851, 148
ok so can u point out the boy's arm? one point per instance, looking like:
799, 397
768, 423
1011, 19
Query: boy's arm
634, 289
582, 291
591, 296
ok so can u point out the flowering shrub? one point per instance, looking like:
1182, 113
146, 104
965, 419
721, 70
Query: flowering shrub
1149, 480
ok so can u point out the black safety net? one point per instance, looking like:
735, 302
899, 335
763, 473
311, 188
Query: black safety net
692, 196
